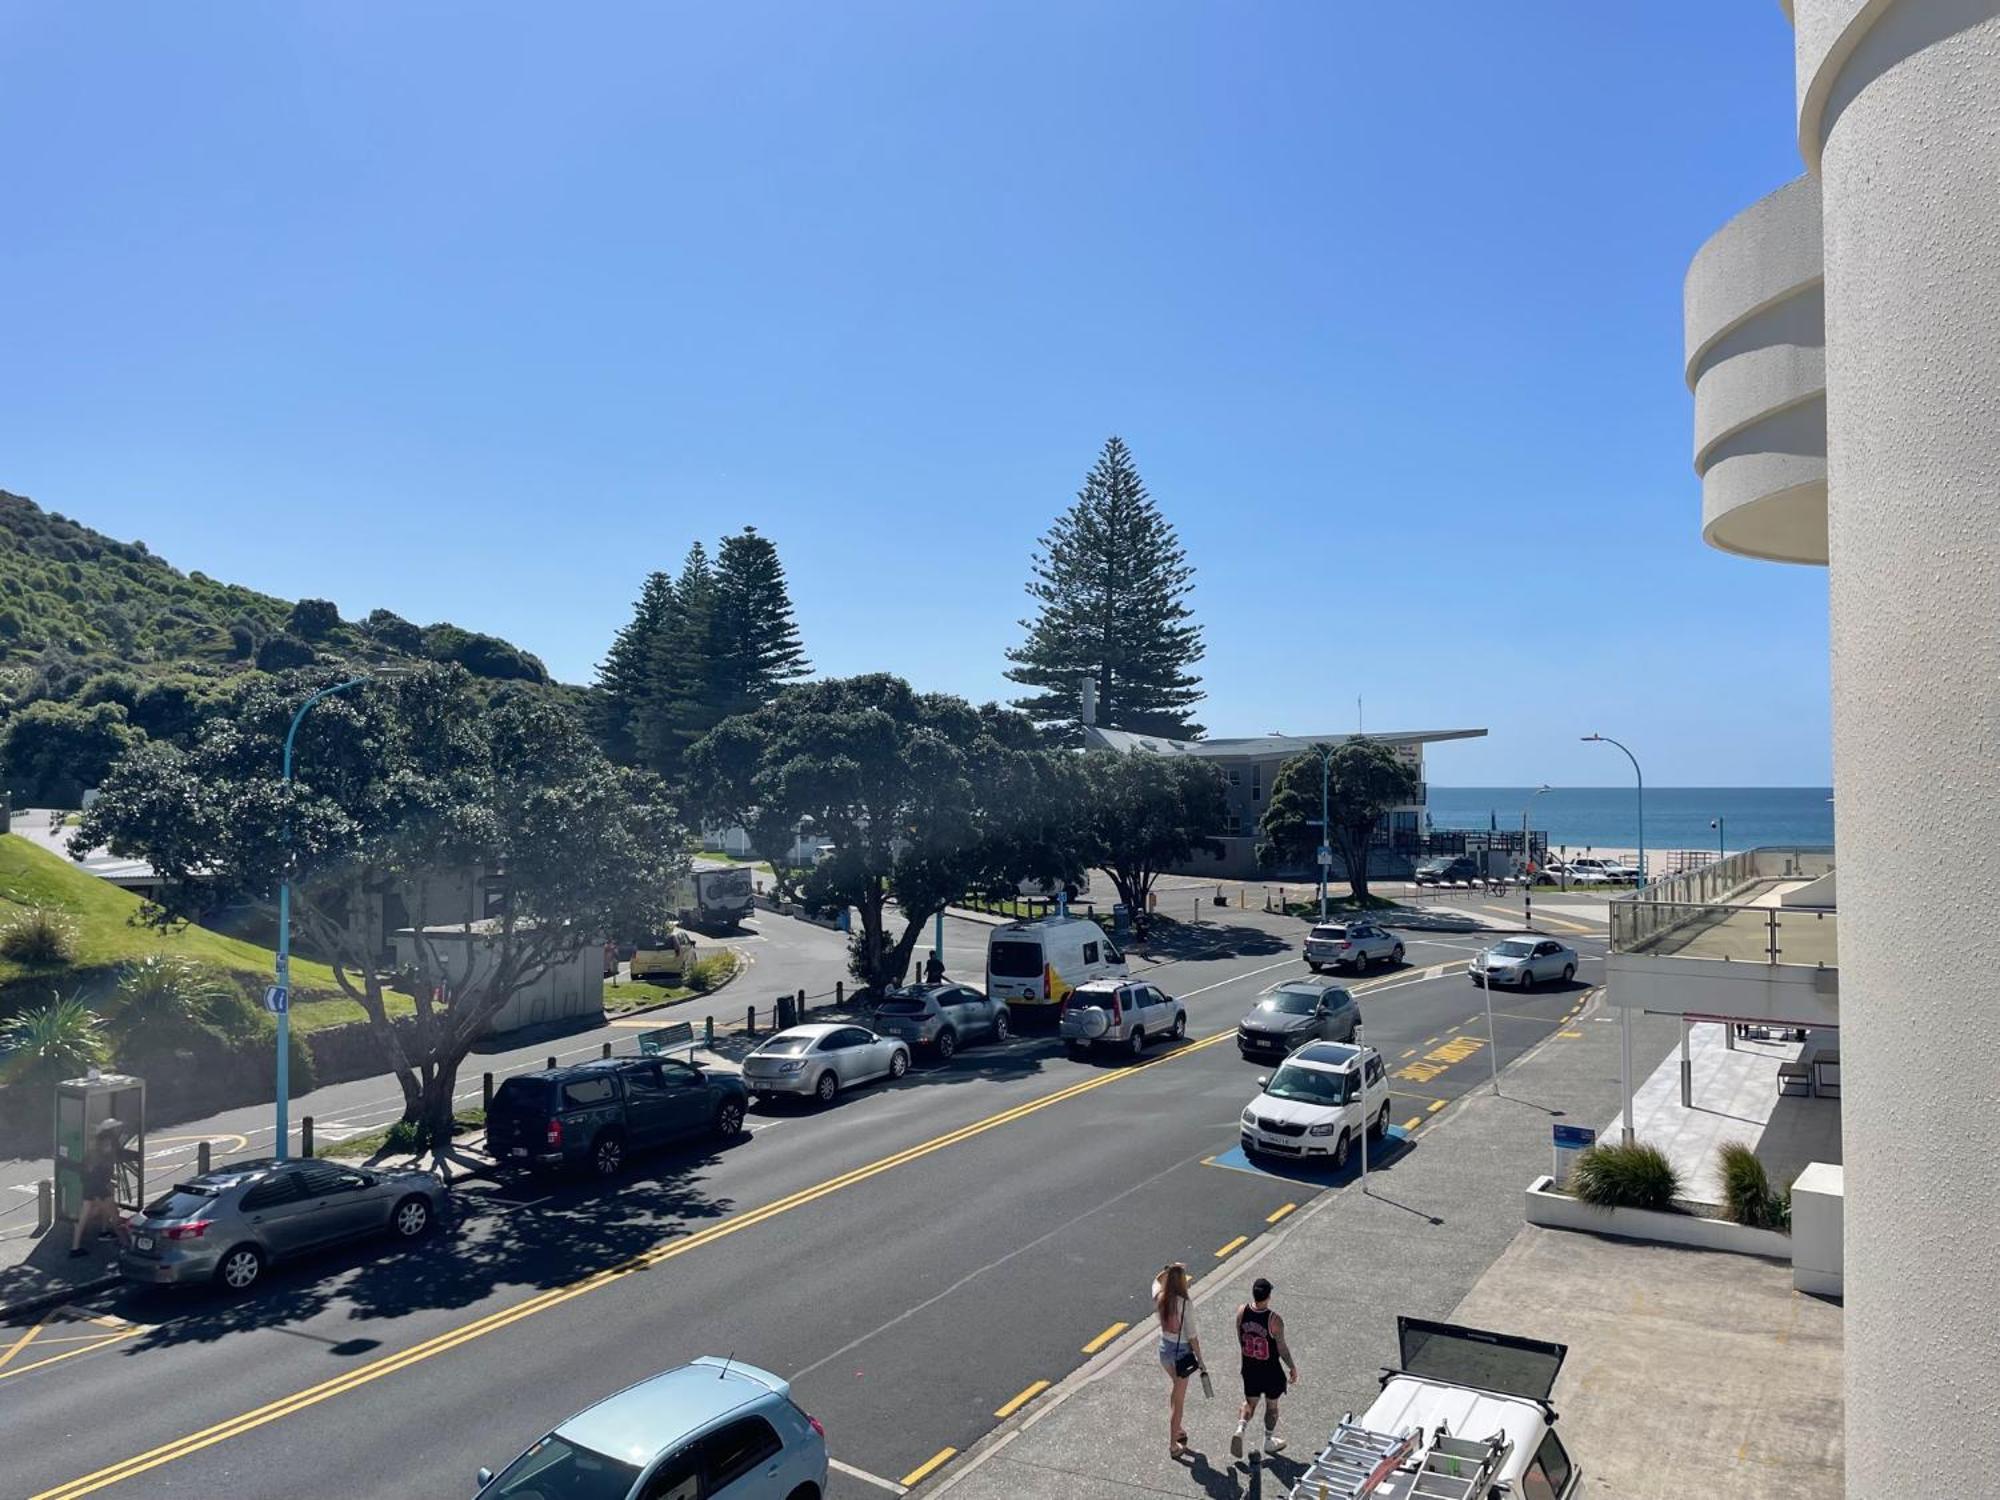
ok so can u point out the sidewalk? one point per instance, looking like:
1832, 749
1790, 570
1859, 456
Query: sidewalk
1418, 1242
36, 1272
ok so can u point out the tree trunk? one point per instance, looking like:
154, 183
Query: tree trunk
435, 1108
1355, 843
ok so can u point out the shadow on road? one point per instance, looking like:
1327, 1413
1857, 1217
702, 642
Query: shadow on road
1167, 941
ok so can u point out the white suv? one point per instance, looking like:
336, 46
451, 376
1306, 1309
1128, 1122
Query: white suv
1351, 945
1318, 1103
1120, 1013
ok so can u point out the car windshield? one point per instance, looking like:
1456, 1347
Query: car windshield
186, 1201
557, 1470
1094, 999
787, 1046
1308, 1085
1290, 1002
1513, 948
1015, 960
901, 1007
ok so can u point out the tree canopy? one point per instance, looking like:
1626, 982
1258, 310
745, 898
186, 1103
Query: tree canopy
407, 795
1148, 813
1110, 584
1365, 779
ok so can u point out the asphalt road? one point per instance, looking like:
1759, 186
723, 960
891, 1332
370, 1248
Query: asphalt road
914, 1260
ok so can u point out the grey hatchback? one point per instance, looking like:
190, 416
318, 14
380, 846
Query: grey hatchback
1296, 1011
227, 1225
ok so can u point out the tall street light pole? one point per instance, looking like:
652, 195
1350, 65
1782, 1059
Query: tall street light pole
281, 1000
1721, 838
1625, 1032
1528, 861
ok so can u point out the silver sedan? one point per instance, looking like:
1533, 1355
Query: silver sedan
819, 1061
1524, 961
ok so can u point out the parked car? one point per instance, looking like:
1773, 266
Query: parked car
1317, 1103
820, 1060
1296, 1011
668, 956
1588, 871
1352, 945
1442, 871
225, 1226
592, 1114
1120, 1013
1523, 961
941, 1016
716, 1429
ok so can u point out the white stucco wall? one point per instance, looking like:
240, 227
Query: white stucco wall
1900, 111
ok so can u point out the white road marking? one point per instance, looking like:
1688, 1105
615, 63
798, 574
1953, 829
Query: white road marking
866, 1478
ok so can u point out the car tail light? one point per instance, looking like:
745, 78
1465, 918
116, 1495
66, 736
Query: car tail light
194, 1229
1345, 944
555, 1133
814, 1423
1117, 1013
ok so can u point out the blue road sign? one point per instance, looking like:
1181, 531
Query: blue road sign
1575, 1137
277, 999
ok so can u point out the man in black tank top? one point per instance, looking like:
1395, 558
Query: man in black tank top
1261, 1334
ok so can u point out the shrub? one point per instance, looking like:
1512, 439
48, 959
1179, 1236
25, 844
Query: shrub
1746, 1190
39, 936
164, 992
46, 1044
279, 652
1613, 1175
314, 619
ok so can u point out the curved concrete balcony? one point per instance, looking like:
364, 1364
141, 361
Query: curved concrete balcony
1755, 321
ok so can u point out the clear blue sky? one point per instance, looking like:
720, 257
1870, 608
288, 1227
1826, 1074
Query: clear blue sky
479, 312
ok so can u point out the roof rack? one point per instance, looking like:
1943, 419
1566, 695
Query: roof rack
1357, 1462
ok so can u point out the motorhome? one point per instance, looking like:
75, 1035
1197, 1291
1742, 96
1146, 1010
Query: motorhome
1040, 962
715, 895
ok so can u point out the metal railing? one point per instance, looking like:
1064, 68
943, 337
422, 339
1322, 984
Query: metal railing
1702, 913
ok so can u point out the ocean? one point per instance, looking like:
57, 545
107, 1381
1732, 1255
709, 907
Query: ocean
1677, 817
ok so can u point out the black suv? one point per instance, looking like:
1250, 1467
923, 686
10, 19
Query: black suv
592, 1114
1438, 871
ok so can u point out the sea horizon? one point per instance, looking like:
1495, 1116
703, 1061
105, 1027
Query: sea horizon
1606, 817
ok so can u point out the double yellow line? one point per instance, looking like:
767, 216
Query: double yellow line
390, 1364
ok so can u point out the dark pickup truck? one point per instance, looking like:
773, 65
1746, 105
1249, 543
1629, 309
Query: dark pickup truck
592, 1114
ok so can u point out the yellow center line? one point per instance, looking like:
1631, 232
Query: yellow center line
1022, 1400
1273, 1218
1233, 1246
1105, 1337
22, 1342
389, 1364
923, 1470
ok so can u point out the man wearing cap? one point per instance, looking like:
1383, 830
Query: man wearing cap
1261, 1333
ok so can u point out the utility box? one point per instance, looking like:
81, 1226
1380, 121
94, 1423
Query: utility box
105, 1103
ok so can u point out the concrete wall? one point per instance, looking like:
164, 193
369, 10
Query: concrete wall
1791, 994
1900, 111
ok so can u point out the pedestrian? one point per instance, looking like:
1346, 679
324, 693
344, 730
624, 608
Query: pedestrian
1261, 1333
100, 1202
1180, 1348
934, 968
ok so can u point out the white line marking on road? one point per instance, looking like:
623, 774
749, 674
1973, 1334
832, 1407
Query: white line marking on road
865, 1477
1238, 978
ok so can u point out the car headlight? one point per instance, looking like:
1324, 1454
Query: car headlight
1326, 1129
790, 1067
1249, 1118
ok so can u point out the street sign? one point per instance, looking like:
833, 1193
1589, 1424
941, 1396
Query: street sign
277, 999
1575, 1137
1325, 856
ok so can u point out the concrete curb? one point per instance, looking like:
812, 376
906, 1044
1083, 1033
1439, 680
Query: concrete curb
43, 1301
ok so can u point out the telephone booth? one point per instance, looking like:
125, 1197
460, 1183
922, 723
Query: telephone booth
85, 1107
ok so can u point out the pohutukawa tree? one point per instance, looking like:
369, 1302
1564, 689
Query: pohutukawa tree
1147, 813
407, 797
1110, 584
1365, 779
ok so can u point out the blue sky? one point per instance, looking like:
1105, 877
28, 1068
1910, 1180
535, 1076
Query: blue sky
478, 312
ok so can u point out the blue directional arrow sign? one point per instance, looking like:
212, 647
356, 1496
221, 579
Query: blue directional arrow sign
277, 999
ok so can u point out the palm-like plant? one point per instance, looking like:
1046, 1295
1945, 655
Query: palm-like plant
164, 993
39, 936
46, 1044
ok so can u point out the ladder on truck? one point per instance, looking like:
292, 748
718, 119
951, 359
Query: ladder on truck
1358, 1461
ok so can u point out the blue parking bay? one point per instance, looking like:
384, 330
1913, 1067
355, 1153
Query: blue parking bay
1316, 1174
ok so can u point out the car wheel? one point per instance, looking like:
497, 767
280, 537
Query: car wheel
1138, 1042
1569, 972
412, 1218
947, 1044
1180, 1025
607, 1154
826, 1087
1000, 1024
1381, 1126
1313, 966
239, 1269
1340, 1149
804, 1492
729, 1119
1396, 957
899, 1061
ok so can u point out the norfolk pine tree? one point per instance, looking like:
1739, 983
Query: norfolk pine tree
1110, 584
625, 678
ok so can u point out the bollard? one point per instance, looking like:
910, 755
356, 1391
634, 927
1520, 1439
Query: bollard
708, 1028
45, 1205
306, 1137
750, 1025
486, 1091
839, 993
799, 1013
552, 1065
607, 1049
202, 1156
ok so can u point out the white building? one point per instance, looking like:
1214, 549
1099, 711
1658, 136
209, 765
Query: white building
1843, 343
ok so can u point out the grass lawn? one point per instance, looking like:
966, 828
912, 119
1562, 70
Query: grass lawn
710, 975
111, 931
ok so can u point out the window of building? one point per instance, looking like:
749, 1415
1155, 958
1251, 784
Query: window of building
1257, 782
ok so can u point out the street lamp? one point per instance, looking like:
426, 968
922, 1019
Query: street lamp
1721, 838
1625, 1036
282, 992
1527, 860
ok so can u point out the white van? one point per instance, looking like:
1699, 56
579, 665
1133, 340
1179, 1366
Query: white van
1038, 963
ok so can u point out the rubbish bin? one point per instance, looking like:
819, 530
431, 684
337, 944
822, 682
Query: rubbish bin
84, 1106
1121, 917
787, 1012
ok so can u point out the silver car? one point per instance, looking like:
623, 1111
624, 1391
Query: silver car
1523, 961
941, 1016
225, 1226
818, 1061
1351, 945
1296, 1011
1120, 1013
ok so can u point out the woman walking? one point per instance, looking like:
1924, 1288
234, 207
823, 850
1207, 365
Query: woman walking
1180, 1348
100, 1201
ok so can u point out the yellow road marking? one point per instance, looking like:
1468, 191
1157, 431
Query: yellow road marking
1450, 1029
22, 1342
1437, 1104
1569, 1033
1020, 1401
1273, 1218
923, 1470
1413, 1122
56, 1359
1431, 1041
1233, 1246
1105, 1337
389, 1364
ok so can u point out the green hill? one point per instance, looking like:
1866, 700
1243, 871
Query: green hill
111, 932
